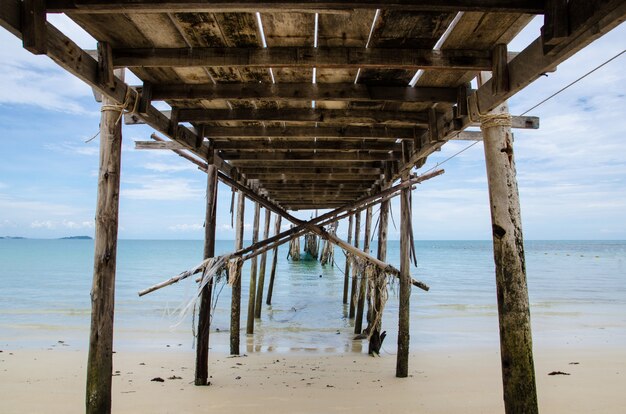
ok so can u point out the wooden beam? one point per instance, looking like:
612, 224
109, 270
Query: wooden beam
159, 145
344, 132
353, 285
309, 156
253, 272
34, 26
303, 115
360, 306
302, 91
402, 358
346, 272
292, 145
235, 304
311, 170
270, 287
305, 57
187, 6
312, 176
146, 98
555, 23
295, 164
261, 281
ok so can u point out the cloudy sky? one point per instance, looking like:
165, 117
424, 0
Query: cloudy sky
571, 172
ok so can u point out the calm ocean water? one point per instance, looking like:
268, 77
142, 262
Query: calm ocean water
577, 292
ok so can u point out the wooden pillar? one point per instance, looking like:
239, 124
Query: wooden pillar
270, 288
100, 359
346, 279
261, 282
253, 271
357, 231
235, 307
518, 373
358, 322
377, 302
204, 317
402, 361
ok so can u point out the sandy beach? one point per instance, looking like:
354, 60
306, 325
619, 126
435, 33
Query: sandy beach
447, 381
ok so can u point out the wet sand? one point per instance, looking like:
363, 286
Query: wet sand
447, 381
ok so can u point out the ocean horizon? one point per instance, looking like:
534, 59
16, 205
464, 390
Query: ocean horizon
577, 292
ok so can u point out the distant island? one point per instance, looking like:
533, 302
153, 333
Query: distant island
12, 238
76, 238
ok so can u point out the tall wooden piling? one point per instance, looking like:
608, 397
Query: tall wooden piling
235, 307
253, 272
261, 281
100, 359
518, 373
357, 231
204, 317
270, 287
346, 278
402, 361
358, 322
377, 299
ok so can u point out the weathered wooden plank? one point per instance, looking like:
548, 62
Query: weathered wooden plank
105, 66
310, 156
314, 176
304, 57
373, 132
311, 170
235, 304
302, 115
34, 26
302, 91
270, 287
500, 69
146, 98
167, 6
402, 358
306, 145
253, 272
158, 145
556, 25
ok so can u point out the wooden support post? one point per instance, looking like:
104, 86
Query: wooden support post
253, 272
555, 24
106, 78
100, 359
346, 279
358, 322
261, 282
204, 317
518, 373
377, 300
402, 362
34, 26
235, 308
270, 288
500, 70
145, 99
357, 232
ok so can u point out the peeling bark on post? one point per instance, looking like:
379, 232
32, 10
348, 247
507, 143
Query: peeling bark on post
204, 316
346, 279
402, 361
261, 281
100, 359
253, 272
357, 231
518, 373
358, 322
235, 309
270, 288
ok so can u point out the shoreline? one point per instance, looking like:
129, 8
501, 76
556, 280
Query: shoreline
444, 381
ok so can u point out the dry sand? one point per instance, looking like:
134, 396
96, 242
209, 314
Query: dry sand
444, 381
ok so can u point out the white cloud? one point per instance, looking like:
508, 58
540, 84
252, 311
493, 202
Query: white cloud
68, 224
186, 227
149, 188
169, 167
83, 148
46, 224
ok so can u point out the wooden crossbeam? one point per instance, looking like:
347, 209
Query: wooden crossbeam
244, 132
303, 115
311, 176
307, 57
310, 170
156, 6
295, 164
309, 156
302, 91
34, 26
306, 145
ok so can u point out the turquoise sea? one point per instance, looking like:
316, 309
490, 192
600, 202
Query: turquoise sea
577, 293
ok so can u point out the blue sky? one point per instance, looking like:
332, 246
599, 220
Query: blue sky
571, 172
